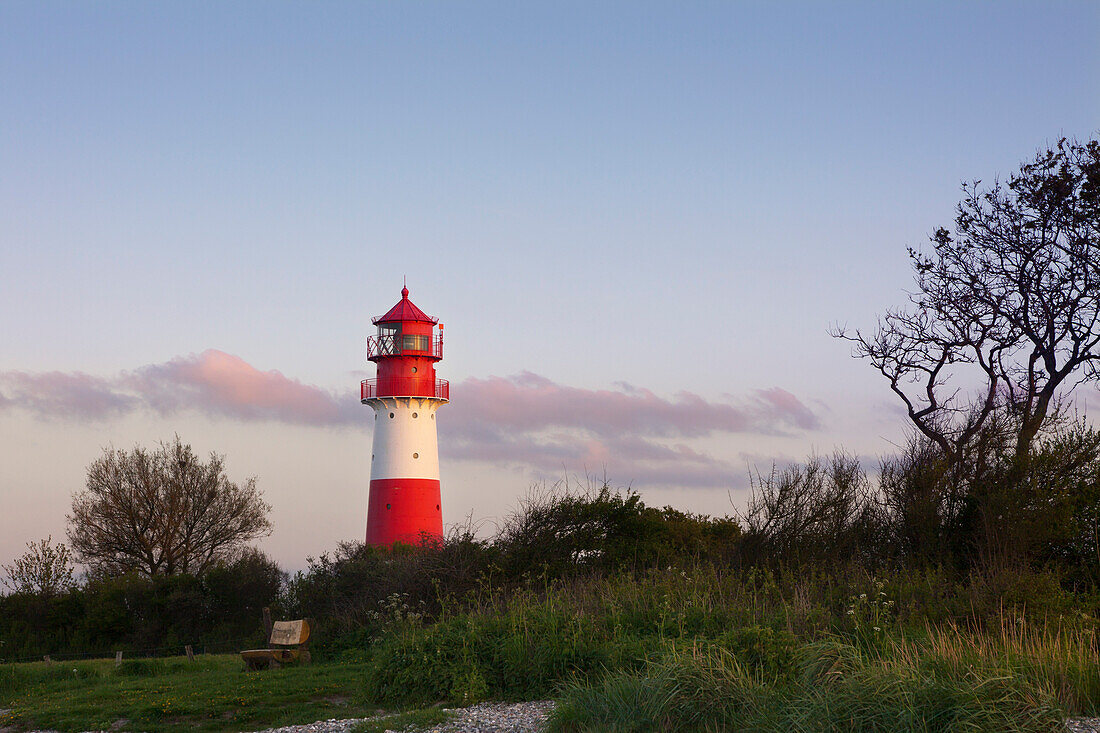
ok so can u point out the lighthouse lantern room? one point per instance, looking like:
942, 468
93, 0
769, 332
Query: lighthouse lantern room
404, 502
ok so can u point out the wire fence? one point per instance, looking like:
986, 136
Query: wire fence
230, 646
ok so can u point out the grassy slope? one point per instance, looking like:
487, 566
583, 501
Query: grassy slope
792, 654
212, 693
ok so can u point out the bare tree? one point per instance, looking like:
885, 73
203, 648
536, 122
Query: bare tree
1008, 302
45, 569
163, 512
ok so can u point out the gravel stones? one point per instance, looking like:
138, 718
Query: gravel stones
486, 717
498, 717
1083, 725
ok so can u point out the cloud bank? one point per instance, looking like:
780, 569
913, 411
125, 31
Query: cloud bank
524, 420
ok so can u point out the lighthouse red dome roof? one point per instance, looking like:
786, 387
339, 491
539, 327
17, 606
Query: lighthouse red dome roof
405, 310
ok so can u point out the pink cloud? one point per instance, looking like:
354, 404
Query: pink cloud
632, 433
222, 384
65, 394
212, 383
526, 420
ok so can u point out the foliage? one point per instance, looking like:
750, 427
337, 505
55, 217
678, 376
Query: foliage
791, 573
991, 511
44, 570
163, 512
823, 512
142, 616
559, 532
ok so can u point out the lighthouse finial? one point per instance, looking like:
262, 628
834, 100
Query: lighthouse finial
404, 287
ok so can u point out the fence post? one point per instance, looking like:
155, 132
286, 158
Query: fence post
118, 658
190, 654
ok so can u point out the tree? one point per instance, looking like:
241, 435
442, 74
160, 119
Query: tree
1008, 301
163, 512
45, 569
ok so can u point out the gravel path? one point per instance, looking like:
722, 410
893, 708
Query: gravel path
528, 717
486, 717
519, 717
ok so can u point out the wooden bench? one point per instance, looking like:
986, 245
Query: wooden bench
291, 639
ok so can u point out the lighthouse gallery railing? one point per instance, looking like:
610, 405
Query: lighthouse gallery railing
407, 345
368, 389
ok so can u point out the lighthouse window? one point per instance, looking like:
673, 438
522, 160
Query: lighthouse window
416, 455
387, 506
414, 342
414, 370
387, 340
414, 414
391, 415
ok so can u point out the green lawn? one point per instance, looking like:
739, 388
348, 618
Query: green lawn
211, 693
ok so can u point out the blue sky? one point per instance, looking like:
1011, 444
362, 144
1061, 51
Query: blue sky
681, 197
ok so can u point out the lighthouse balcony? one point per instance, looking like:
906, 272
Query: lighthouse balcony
404, 345
372, 389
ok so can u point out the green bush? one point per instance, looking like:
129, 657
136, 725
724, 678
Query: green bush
765, 652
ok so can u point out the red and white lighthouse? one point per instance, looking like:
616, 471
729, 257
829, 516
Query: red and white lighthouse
404, 503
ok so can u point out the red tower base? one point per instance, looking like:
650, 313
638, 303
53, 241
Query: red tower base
404, 510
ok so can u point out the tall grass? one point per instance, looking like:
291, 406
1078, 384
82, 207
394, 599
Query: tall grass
1064, 660
704, 648
838, 687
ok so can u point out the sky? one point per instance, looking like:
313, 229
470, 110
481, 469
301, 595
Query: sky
638, 222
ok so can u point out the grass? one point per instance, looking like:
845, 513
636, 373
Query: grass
677, 649
838, 688
211, 693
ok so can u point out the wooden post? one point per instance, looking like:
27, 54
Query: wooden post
190, 654
118, 658
267, 621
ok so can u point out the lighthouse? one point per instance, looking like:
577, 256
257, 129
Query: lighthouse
404, 503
